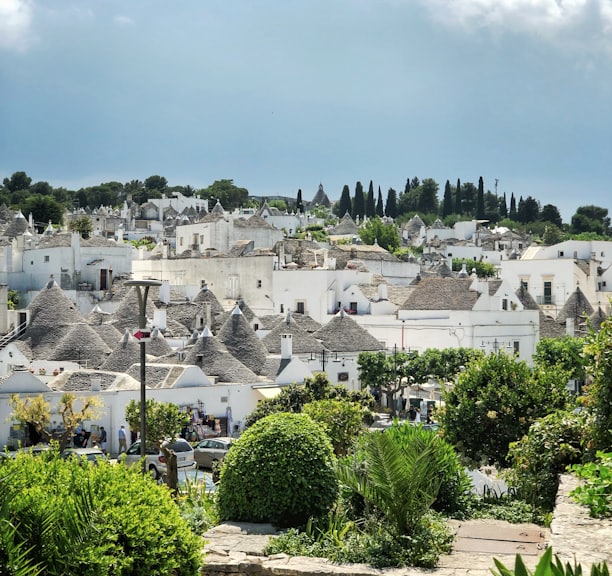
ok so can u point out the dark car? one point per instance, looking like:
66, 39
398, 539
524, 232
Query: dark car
212, 450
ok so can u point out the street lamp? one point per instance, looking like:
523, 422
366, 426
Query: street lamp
142, 289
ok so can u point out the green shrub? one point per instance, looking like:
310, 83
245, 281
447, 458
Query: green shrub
281, 470
547, 566
596, 492
92, 520
455, 494
552, 443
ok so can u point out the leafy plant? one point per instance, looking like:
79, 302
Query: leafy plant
547, 566
92, 520
552, 443
281, 470
596, 492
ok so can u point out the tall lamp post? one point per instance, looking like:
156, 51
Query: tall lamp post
142, 289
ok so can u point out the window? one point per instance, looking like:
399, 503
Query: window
181, 241
547, 292
202, 284
255, 327
505, 304
353, 307
299, 307
46, 258
258, 283
561, 253
282, 308
343, 376
525, 285
233, 286
516, 347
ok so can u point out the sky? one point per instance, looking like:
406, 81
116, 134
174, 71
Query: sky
287, 94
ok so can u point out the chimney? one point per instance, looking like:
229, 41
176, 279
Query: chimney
382, 292
3, 308
286, 346
159, 318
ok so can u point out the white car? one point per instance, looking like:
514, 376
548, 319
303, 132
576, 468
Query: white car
155, 461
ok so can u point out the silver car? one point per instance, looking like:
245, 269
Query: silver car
155, 462
212, 450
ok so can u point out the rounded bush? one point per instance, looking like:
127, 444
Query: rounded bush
281, 470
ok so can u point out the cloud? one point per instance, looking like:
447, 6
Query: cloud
577, 25
15, 21
122, 20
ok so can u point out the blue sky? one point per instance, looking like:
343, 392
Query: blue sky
280, 95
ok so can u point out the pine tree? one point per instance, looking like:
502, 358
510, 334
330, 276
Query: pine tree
512, 213
480, 208
370, 208
447, 204
380, 211
359, 202
299, 205
391, 205
407, 187
458, 198
344, 205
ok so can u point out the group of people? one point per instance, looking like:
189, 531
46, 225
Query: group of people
98, 440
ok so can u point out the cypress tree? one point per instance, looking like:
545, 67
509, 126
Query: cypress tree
344, 205
359, 202
503, 207
391, 205
299, 205
447, 204
379, 205
480, 208
370, 208
512, 213
407, 187
458, 198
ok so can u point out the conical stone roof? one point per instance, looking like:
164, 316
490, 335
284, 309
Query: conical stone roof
242, 342
158, 346
343, 334
81, 344
302, 341
127, 314
123, 355
214, 360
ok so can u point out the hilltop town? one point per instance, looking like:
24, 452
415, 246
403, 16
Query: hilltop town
247, 306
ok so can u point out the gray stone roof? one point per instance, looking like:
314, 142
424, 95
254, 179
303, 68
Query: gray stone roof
81, 344
345, 227
157, 346
442, 294
302, 342
343, 334
214, 360
123, 355
576, 307
157, 375
242, 342
109, 334
98, 316
127, 314
184, 313
305, 322
81, 381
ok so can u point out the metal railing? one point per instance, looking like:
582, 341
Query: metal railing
13, 335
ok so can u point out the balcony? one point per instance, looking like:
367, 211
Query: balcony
545, 300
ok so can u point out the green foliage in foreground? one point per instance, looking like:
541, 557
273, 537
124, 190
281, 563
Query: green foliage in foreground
281, 470
92, 520
547, 566
596, 492
552, 443
369, 543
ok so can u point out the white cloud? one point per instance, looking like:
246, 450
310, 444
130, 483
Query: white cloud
579, 25
122, 20
15, 20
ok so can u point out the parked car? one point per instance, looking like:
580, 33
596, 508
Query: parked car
212, 450
192, 477
155, 461
35, 450
93, 455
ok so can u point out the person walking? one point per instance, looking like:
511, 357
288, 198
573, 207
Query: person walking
122, 439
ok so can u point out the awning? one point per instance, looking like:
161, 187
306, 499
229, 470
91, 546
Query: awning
269, 392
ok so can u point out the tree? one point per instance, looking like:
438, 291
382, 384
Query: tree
344, 204
225, 192
447, 203
82, 225
385, 235
43, 188
552, 235
512, 213
483, 269
529, 210
359, 202
494, 402
480, 208
18, 181
591, 219
380, 211
156, 182
468, 199
299, 204
503, 207
565, 352
164, 421
458, 198
36, 412
428, 196
391, 204
551, 214
370, 208
44, 209
599, 388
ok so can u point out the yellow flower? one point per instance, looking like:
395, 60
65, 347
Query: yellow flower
492, 414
